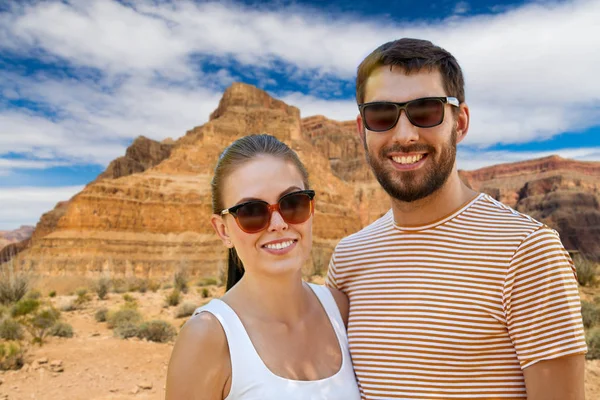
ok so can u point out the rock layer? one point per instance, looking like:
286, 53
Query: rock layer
148, 213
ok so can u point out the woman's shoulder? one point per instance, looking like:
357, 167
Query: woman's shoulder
200, 346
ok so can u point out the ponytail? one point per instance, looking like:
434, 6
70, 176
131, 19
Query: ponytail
235, 269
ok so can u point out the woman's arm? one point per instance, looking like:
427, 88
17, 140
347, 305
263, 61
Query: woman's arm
200, 367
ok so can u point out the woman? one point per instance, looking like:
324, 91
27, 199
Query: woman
271, 336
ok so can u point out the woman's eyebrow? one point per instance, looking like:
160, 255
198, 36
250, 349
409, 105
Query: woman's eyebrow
288, 190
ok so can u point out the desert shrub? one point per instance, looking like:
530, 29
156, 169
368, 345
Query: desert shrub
39, 323
61, 329
597, 300
130, 301
127, 330
205, 293
185, 310
207, 282
34, 294
82, 297
153, 286
586, 270
52, 293
24, 307
123, 316
590, 314
180, 281
10, 329
13, 285
12, 355
173, 298
102, 287
68, 306
167, 285
129, 298
593, 342
119, 285
100, 315
4, 310
157, 331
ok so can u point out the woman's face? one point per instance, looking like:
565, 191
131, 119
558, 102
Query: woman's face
281, 248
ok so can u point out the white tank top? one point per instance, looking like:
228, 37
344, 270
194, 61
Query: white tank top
252, 380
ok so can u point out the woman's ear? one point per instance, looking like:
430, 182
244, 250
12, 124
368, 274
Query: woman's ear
221, 229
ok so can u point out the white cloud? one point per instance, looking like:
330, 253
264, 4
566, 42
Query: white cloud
25, 205
530, 71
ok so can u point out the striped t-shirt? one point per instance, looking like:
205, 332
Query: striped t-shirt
458, 308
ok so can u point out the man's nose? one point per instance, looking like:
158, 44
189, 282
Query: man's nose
405, 131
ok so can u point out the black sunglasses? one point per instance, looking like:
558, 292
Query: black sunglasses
426, 112
255, 216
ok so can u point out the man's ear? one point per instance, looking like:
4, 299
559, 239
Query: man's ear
462, 122
221, 229
360, 128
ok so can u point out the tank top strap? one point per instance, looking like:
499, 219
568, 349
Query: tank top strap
333, 312
242, 353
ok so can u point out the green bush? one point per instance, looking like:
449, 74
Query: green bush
593, 342
13, 285
185, 310
12, 356
34, 294
173, 298
180, 281
101, 314
61, 329
157, 331
101, 287
205, 293
586, 270
127, 330
590, 314
11, 329
39, 323
52, 293
123, 316
24, 307
207, 282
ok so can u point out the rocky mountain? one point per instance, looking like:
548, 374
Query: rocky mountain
17, 235
148, 213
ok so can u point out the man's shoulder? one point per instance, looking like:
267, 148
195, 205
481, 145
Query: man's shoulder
495, 213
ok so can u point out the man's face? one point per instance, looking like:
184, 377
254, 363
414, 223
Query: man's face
409, 162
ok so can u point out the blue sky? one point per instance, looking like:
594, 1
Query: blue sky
80, 79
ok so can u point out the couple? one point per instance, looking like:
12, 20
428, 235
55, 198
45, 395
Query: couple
449, 295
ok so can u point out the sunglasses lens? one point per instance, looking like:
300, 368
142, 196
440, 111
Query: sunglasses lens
380, 117
295, 208
425, 113
253, 217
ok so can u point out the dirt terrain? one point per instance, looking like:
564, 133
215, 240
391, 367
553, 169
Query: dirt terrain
98, 366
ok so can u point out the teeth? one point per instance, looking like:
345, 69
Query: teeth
408, 160
279, 246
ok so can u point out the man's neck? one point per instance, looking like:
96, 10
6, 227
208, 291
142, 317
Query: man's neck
449, 198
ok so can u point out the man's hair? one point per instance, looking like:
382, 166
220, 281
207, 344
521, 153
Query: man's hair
413, 55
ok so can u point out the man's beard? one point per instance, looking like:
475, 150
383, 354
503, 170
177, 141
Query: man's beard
405, 186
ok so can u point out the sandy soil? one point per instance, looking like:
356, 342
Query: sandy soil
98, 366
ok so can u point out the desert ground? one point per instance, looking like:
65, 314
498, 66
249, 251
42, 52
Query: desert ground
96, 365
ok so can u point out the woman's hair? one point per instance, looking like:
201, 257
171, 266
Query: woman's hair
235, 156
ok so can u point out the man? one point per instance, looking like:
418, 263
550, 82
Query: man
452, 295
